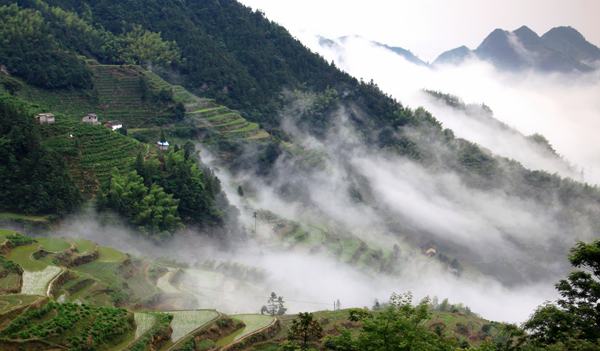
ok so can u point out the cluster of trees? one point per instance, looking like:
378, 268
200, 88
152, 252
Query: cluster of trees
33, 179
573, 323
165, 192
30, 51
44, 45
150, 209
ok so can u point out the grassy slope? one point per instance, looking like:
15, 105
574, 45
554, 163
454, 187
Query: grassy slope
333, 321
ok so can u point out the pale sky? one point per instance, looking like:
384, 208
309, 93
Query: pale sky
429, 27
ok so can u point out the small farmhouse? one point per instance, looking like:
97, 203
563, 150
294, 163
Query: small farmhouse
114, 125
162, 145
91, 118
45, 118
430, 252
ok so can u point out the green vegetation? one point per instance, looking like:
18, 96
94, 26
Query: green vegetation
78, 327
53, 244
35, 179
196, 190
574, 322
30, 50
151, 210
23, 256
305, 330
47, 41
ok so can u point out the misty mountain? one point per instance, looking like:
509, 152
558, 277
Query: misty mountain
477, 123
562, 49
404, 53
569, 41
409, 56
454, 56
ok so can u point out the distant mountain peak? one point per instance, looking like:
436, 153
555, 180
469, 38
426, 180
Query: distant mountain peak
568, 41
454, 56
561, 49
527, 36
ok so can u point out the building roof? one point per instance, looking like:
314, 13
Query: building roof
163, 143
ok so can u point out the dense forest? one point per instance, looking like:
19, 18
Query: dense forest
35, 179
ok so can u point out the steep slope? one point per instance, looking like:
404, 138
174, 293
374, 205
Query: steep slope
454, 56
570, 42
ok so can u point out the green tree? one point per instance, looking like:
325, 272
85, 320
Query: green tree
575, 319
151, 210
305, 329
157, 213
145, 48
399, 326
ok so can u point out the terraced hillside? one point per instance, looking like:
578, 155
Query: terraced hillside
79, 270
208, 119
120, 93
121, 96
92, 152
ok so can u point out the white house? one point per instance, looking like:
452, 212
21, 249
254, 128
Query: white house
162, 145
45, 118
114, 125
91, 118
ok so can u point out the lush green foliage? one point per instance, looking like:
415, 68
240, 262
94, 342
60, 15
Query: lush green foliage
152, 210
305, 329
18, 239
9, 266
574, 322
144, 47
178, 173
41, 44
33, 178
30, 51
84, 327
400, 326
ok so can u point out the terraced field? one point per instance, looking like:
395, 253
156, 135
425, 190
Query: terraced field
120, 96
253, 322
8, 302
117, 95
185, 322
164, 282
92, 151
102, 150
143, 322
53, 244
22, 256
36, 283
226, 123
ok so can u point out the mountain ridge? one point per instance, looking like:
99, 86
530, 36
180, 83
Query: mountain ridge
561, 49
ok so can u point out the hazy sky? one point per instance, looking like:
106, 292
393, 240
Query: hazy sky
429, 27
